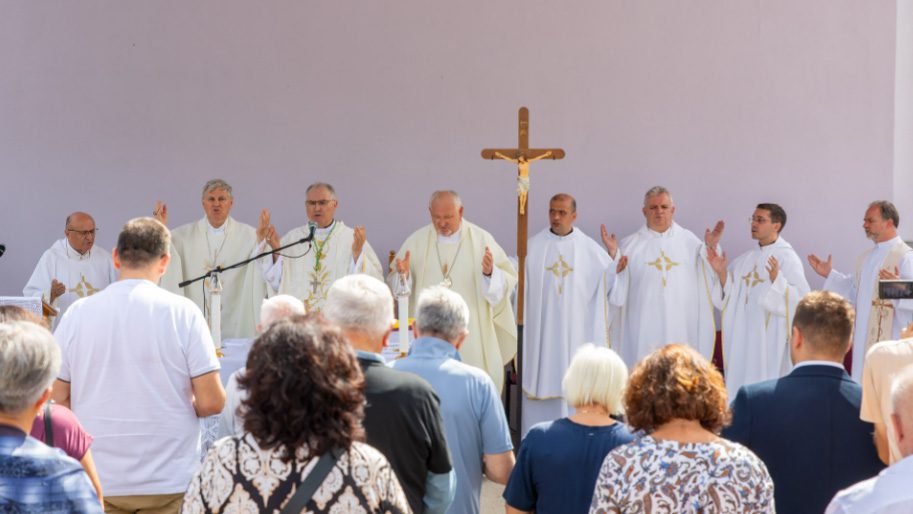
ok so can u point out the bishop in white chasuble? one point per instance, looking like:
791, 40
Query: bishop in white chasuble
72, 268
455, 253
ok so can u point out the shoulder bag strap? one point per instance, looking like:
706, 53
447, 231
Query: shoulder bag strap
48, 432
316, 477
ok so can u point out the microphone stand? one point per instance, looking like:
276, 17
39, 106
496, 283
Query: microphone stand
219, 269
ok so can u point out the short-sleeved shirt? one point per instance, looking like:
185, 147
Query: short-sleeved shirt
883, 362
403, 421
474, 419
68, 434
558, 463
129, 354
37, 478
669, 476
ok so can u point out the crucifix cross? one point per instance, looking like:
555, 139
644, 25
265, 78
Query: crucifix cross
522, 156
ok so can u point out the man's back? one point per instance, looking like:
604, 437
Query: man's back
403, 421
474, 419
806, 428
36, 478
130, 353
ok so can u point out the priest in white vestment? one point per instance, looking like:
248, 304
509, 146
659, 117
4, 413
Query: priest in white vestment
459, 255
72, 268
664, 292
566, 306
890, 258
308, 270
217, 240
757, 297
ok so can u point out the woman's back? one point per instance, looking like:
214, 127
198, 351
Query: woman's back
650, 475
558, 463
239, 473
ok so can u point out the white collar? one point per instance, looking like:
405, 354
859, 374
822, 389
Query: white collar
889, 243
818, 363
325, 230
73, 254
213, 230
561, 238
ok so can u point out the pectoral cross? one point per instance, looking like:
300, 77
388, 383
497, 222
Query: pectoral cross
522, 155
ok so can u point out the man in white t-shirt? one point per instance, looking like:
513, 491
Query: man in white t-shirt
139, 368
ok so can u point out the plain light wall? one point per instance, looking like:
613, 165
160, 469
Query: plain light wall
108, 106
903, 113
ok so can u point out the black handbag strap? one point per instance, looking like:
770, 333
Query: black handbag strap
48, 432
316, 477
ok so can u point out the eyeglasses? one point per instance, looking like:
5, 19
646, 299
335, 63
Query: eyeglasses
758, 219
84, 233
315, 203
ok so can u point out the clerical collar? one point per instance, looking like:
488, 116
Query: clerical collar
73, 254
325, 230
214, 230
889, 242
818, 363
768, 244
552, 232
452, 238
666, 233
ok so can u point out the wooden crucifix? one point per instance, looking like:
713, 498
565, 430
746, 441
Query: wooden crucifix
522, 156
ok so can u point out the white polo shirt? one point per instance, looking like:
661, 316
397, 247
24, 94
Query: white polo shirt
129, 353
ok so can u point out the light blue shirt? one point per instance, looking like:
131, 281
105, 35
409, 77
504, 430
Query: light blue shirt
474, 419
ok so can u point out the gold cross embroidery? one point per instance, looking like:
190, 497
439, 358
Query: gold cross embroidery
318, 291
663, 263
751, 279
560, 269
81, 292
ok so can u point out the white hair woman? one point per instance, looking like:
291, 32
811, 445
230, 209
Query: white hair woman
559, 460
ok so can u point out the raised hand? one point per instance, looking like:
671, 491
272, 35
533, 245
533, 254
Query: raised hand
358, 242
712, 237
57, 289
822, 268
160, 212
263, 225
488, 262
609, 241
884, 274
622, 264
272, 237
718, 262
402, 265
773, 268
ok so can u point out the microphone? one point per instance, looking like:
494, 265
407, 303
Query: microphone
2, 249
312, 229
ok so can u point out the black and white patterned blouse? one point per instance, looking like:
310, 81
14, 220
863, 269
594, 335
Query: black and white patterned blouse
237, 476
651, 476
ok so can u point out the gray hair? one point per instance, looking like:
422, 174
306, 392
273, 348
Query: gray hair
656, 191
446, 192
29, 363
596, 376
217, 183
279, 307
902, 395
441, 312
142, 242
887, 210
360, 303
323, 185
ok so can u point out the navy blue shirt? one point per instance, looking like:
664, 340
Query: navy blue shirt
37, 478
558, 464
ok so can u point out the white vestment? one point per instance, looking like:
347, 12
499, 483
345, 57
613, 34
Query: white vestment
566, 306
757, 316
307, 271
861, 289
492, 339
199, 248
83, 275
664, 293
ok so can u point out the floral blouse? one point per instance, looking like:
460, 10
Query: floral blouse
651, 476
238, 477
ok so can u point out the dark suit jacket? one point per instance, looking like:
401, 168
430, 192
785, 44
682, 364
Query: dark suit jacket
806, 428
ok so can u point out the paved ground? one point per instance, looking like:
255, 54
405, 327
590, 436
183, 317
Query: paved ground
491, 501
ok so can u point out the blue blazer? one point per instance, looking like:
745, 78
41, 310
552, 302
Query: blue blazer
806, 428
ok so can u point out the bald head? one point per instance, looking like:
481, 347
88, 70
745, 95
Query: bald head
80, 231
